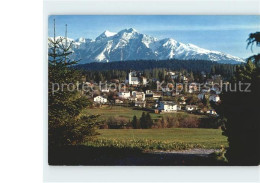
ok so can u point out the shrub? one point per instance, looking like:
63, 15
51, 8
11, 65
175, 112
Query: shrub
178, 121
118, 123
189, 122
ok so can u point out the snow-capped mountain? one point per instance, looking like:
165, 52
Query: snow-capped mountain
128, 44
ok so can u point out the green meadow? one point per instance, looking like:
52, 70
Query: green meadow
160, 139
128, 112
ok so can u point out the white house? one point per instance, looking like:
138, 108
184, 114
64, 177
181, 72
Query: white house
170, 73
124, 95
191, 108
184, 78
148, 93
132, 99
167, 106
105, 90
178, 107
182, 102
157, 95
140, 103
191, 90
118, 101
214, 98
139, 95
212, 112
173, 75
100, 100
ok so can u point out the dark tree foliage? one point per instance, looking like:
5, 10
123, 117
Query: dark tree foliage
141, 65
67, 125
225, 70
240, 111
152, 69
205, 101
149, 121
254, 38
146, 121
143, 121
135, 123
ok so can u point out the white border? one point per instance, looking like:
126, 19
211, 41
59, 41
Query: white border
148, 7
150, 174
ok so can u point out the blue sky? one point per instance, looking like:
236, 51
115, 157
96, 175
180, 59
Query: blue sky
227, 34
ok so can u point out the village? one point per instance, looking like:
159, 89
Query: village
137, 92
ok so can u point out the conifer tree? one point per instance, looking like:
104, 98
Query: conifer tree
67, 124
149, 121
143, 121
240, 113
135, 122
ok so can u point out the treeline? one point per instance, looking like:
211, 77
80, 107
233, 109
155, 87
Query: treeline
121, 75
153, 68
144, 122
179, 120
140, 65
225, 70
159, 74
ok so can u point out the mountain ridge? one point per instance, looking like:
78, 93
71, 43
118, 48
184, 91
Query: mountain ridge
128, 44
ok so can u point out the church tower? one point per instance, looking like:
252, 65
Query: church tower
130, 77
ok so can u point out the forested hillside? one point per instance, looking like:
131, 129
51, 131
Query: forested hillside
195, 66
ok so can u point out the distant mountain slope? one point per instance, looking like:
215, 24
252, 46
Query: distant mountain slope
128, 44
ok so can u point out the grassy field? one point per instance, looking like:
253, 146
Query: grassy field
160, 139
154, 139
126, 112
136, 147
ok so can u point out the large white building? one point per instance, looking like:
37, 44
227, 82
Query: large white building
132, 79
100, 100
167, 106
